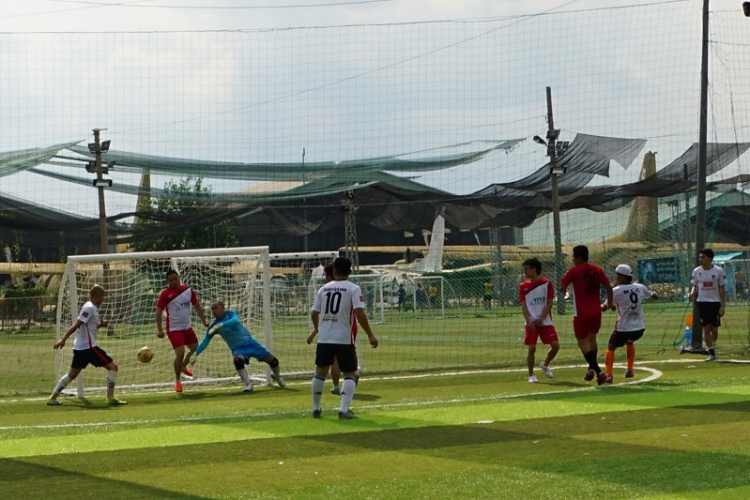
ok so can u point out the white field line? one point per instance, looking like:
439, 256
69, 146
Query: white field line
390, 378
654, 374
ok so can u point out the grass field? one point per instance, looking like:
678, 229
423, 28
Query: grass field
679, 430
475, 338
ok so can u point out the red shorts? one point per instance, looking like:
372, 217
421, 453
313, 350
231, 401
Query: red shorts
180, 338
548, 334
583, 326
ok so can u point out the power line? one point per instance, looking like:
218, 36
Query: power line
88, 6
224, 7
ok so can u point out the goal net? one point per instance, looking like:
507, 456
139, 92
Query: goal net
240, 277
433, 297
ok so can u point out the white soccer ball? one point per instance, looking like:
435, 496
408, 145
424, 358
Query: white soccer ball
145, 355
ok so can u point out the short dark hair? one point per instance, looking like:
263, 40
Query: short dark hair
708, 253
328, 269
627, 279
533, 262
342, 266
581, 252
171, 272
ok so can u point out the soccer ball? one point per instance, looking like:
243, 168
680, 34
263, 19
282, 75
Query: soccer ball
145, 355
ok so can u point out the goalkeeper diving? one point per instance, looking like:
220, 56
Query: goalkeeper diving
242, 344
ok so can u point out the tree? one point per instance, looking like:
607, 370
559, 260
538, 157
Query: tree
179, 202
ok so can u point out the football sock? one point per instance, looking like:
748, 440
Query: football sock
244, 375
609, 357
111, 380
631, 356
318, 383
593, 363
347, 393
62, 384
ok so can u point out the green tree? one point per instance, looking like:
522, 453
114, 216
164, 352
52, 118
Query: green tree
179, 201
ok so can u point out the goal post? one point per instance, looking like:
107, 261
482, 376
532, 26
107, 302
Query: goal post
238, 276
432, 295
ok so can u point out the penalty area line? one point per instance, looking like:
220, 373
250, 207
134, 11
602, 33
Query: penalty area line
653, 375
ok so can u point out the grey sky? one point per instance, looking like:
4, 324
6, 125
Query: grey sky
354, 92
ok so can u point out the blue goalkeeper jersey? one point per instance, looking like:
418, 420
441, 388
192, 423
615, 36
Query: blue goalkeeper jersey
232, 331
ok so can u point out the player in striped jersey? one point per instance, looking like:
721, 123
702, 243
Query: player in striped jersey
176, 299
535, 295
85, 349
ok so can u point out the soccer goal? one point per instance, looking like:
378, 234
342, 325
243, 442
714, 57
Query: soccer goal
433, 297
241, 277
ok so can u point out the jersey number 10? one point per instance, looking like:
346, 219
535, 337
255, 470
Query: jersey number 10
333, 302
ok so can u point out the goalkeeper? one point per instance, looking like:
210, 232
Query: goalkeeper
242, 344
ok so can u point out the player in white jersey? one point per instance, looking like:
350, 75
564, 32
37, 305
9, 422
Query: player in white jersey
628, 302
336, 305
710, 296
85, 350
535, 295
335, 370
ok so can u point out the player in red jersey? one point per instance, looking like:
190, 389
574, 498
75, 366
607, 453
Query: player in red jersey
535, 295
587, 280
177, 299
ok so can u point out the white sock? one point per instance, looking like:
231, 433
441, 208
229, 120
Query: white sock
318, 384
244, 375
347, 393
62, 384
111, 379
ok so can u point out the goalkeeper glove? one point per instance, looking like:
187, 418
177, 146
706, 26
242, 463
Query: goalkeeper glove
215, 328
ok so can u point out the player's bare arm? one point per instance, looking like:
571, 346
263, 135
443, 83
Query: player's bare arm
312, 336
529, 322
365, 323
201, 313
610, 296
159, 329
547, 310
723, 297
60, 343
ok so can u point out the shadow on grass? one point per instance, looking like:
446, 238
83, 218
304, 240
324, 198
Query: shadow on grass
27, 480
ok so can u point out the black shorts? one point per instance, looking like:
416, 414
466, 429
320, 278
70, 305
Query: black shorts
709, 313
95, 356
344, 353
488, 298
619, 339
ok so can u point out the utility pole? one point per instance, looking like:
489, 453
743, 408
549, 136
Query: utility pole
350, 230
700, 204
98, 148
552, 135
304, 200
496, 249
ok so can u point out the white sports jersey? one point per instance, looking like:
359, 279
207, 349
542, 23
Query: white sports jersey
629, 301
336, 302
537, 295
177, 304
708, 282
86, 334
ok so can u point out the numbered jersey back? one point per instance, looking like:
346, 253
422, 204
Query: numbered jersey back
336, 302
629, 301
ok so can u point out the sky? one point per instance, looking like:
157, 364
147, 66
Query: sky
241, 81
137, 15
